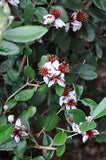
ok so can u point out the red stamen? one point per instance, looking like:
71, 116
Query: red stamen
16, 132
52, 58
71, 102
56, 12
90, 133
64, 68
81, 16
66, 92
44, 71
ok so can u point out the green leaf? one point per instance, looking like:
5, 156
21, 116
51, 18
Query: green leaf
39, 13
12, 74
40, 2
87, 74
9, 49
5, 132
11, 103
89, 32
3, 119
79, 91
27, 51
70, 78
101, 4
51, 122
89, 102
65, 43
86, 126
25, 34
29, 72
60, 150
10, 143
30, 112
59, 139
64, 17
43, 89
101, 138
59, 90
20, 149
73, 5
100, 109
0, 108
102, 40
25, 94
42, 61
39, 158
78, 115
47, 140
28, 11
99, 50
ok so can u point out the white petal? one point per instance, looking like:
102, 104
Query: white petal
67, 108
14, 2
95, 132
47, 65
61, 83
73, 107
18, 123
61, 101
51, 83
59, 23
46, 79
75, 127
1, 4
23, 133
84, 139
17, 139
76, 25
45, 17
67, 26
55, 64
74, 15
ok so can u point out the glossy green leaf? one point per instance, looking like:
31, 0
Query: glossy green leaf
3, 119
12, 74
27, 51
9, 49
47, 140
78, 115
39, 13
64, 15
5, 132
60, 150
42, 61
25, 34
100, 109
40, 2
59, 90
90, 103
25, 94
86, 126
30, 112
29, 72
64, 44
11, 103
89, 32
51, 122
101, 137
8, 144
87, 75
101, 4
59, 139
43, 89
39, 158
99, 50
20, 149
28, 11
79, 91
71, 4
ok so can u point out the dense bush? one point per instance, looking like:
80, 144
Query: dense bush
49, 50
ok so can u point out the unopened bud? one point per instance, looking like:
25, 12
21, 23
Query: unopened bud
11, 118
5, 107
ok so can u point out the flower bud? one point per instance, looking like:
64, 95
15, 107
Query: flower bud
11, 118
5, 107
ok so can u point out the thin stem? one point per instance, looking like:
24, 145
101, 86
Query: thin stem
40, 132
22, 64
61, 109
51, 2
72, 135
64, 130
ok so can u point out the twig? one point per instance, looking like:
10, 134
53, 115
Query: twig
72, 135
88, 5
51, 2
22, 64
40, 132
61, 109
